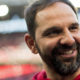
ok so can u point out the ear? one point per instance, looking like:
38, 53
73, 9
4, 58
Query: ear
31, 44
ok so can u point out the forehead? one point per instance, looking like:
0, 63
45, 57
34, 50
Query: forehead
57, 10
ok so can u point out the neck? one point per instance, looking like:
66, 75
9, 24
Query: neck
51, 74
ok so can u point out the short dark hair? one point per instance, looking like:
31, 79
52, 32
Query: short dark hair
31, 11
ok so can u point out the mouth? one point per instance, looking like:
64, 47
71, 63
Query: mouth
68, 53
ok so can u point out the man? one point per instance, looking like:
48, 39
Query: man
54, 33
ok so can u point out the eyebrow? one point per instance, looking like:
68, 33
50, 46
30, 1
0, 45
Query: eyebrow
53, 28
57, 28
75, 24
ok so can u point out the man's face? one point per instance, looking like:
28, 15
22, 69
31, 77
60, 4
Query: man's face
57, 38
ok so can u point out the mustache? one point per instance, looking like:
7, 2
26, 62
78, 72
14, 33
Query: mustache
64, 47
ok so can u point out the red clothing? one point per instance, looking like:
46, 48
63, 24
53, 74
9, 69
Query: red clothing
77, 78
42, 76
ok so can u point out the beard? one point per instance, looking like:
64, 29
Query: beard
54, 62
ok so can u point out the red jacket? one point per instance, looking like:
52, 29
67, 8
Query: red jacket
42, 76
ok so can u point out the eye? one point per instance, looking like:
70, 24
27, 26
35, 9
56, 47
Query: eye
52, 33
74, 27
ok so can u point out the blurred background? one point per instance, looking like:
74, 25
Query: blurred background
16, 60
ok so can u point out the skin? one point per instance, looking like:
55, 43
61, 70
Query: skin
55, 26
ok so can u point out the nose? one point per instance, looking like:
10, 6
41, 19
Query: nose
67, 39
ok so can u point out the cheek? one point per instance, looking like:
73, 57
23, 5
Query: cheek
77, 37
48, 44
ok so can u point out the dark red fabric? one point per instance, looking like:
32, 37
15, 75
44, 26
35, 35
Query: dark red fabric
77, 78
42, 76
